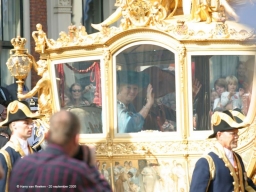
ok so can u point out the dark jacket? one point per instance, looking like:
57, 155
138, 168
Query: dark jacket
5, 97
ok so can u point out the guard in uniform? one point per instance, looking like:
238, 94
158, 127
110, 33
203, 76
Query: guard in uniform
20, 121
222, 169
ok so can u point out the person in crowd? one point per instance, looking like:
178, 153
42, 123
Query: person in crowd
5, 96
220, 86
20, 121
5, 132
162, 115
129, 84
214, 95
77, 99
222, 169
89, 92
243, 81
232, 99
12, 89
63, 163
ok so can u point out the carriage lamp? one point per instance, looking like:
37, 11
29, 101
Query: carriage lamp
19, 63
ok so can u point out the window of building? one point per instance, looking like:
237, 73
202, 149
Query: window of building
10, 27
92, 13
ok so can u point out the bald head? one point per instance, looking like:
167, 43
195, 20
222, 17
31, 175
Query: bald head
64, 126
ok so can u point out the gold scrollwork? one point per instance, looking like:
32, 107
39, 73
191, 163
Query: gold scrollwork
182, 56
106, 56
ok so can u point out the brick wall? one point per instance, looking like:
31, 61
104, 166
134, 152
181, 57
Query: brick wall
38, 14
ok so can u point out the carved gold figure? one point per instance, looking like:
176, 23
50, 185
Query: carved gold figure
42, 88
40, 38
213, 10
140, 13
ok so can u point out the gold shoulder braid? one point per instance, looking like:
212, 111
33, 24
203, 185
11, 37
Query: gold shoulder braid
211, 168
9, 166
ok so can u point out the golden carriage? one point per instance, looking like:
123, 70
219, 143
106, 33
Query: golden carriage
183, 55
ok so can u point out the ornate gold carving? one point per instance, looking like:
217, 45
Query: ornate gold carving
42, 88
40, 38
221, 30
248, 135
109, 146
163, 148
180, 29
149, 148
139, 13
106, 55
19, 44
211, 11
182, 56
19, 63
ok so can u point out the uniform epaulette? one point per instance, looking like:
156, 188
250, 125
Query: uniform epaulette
211, 166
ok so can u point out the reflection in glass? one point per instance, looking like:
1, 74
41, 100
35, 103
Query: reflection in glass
145, 81
79, 88
224, 82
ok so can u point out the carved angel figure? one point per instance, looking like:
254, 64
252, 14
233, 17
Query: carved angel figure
42, 88
40, 38
212, 11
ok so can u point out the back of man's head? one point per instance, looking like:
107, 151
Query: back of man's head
64, 127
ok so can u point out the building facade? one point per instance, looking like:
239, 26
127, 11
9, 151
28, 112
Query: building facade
19, 17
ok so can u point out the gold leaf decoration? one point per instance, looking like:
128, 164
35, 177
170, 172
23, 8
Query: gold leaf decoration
13, 107
216, 119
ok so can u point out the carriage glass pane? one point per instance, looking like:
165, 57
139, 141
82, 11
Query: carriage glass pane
79, 88
137, 69
220, 82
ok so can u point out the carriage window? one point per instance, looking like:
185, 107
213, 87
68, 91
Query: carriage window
79, 88
145, 81
220, 82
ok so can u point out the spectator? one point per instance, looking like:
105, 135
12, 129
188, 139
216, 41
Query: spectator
5, 96
243, 81
12, 89
220, 86
232, 99
128, 85
76, 99
5, 132
214, 95
56, 165
19, 118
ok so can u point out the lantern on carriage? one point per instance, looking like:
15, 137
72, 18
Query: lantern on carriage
19, 63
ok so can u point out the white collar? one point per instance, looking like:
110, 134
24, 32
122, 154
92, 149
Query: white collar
229, 155
23, 143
